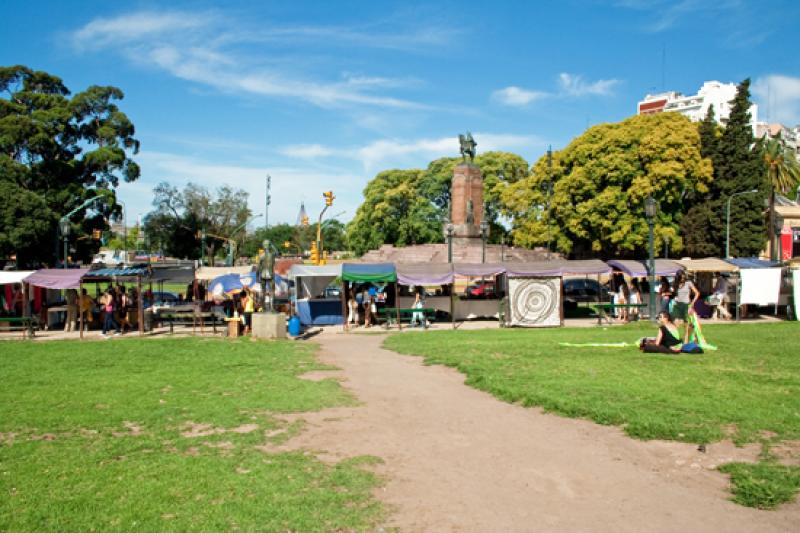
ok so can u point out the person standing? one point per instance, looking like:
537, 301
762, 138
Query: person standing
108, 303
635, 299
418, 317
721, 297
686, 295
72, 310
85, 305
352, 305
665, 294
248, 307
124, 304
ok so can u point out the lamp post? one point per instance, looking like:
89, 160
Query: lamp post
728, 220
63, 225
449, 229
232, 240
484, 235
650, 213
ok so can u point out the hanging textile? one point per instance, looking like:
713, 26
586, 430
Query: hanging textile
535, 302
760, 286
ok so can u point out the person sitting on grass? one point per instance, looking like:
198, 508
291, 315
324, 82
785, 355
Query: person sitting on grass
668, 339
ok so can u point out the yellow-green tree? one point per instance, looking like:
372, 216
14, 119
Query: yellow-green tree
595, 206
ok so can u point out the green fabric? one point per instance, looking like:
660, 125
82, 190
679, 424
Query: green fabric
364, 278
697, 334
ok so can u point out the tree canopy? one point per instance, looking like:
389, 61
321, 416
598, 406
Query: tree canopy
418, 201
180, 217
57, 151
599, 185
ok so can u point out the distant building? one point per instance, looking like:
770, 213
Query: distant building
790, 136
712, 93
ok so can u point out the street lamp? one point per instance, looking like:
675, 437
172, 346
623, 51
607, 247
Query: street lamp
484, 235
650, 213
449, 229
728, 220
63, 224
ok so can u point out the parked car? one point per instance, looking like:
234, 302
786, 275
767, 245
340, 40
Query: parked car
162, 298
481, 289
584, 290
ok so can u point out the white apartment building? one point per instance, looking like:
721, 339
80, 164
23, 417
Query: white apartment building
696, 106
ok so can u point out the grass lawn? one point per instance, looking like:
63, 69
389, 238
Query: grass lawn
156, 434
749, 389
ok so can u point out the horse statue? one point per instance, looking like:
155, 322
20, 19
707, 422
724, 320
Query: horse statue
468, 145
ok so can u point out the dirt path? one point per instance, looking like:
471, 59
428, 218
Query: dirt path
457, 459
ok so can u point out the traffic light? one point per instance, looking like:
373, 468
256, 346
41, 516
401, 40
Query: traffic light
314, 255
324, 260
328, 198
97, 234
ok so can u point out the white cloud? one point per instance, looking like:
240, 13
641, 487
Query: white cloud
779, 98
515, 96
197, 48
306, 151
569, 85
574, 85
290, 185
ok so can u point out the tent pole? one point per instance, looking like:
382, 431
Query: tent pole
26, 311
397, 307
80, 311
344, 306
452, 303
139, 305
738, 294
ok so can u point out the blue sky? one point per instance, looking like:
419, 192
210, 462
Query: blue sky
323, 95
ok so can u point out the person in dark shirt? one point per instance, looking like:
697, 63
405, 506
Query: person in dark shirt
668, 339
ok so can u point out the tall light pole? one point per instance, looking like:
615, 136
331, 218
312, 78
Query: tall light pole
728, 220
449, 229
484, 235
267, 201
63, 224
232, 239
549, 191
650, 213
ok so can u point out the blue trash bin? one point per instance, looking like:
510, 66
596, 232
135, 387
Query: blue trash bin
294, 326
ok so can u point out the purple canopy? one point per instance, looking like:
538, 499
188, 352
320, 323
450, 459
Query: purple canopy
478, 270
534, 269
637, 269
57, 278
584, 267
424, 273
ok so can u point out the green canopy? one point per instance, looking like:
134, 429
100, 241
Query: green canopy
369, 272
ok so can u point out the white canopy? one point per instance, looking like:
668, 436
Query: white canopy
313, 278
208, 273
14, 276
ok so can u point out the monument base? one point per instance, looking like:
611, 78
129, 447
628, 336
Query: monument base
269, 326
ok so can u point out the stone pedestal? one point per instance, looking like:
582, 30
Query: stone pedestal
269, 325
466, 204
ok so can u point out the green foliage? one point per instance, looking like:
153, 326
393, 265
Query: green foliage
600, 182
394, 211
783, 176
419, 202
763, 485
62, 150
738, 167
180, 217
97, 436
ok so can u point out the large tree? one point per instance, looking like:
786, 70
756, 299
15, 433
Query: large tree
599, 185
56, 152
739, 167
418, 202
181, 217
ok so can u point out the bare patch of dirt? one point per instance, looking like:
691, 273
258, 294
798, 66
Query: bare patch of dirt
193, 430
134, 430
457, 459
787, 452
7, 438
224, 445
44, 436
244, 428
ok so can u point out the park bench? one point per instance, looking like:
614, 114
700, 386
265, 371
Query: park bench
606, 310
390, 315
26, 324
194, 318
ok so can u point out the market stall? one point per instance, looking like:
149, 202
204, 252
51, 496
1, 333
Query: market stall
120, 275
311, 302
379, 276
760, 282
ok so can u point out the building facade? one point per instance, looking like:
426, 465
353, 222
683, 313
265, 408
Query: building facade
712, 93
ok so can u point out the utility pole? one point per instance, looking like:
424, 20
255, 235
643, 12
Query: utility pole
549, 193
268, 200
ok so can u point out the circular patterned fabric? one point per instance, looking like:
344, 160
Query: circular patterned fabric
535, 302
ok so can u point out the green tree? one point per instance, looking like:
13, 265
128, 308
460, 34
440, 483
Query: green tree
394, 211
57, 151
700, 226
277, 234
600, 183
783, 175
739, 167
180, 217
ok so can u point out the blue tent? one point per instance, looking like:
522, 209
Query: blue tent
229, 283
752, 262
